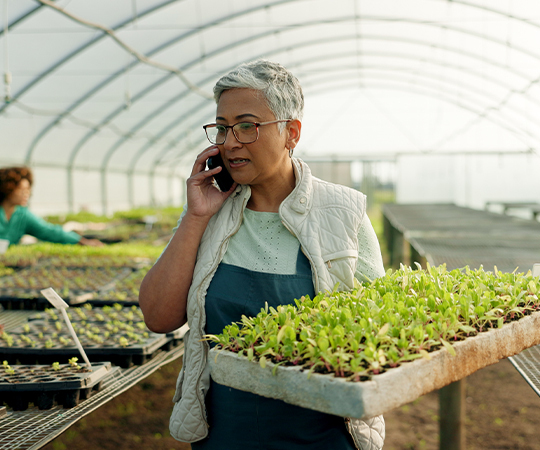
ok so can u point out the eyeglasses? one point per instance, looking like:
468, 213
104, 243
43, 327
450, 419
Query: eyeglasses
244, 132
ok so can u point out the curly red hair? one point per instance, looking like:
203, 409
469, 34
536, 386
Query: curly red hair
10, 177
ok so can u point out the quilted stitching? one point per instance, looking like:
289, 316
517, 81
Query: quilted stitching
368, 434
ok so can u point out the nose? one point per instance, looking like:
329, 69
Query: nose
230, 140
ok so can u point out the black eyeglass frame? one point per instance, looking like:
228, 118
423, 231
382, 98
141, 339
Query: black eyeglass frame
257, 125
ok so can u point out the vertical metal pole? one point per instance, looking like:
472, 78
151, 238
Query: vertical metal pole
452, 416
70, 193
398, 243
131, 197
104, 191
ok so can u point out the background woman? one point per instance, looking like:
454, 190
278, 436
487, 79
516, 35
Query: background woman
277, 234
15, 218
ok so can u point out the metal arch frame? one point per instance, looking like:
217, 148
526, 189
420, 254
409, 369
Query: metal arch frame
484, 37
446, 82
310, 43
170, 42
21, 19
489, 9
131, 168
395, 85
79, 50
175, 122
277, 3
494, 11
120, 72
273, 32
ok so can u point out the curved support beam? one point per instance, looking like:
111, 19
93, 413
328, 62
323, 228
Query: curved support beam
175, 123
379, 83
315, 42
79, 50
120, 72
21, 19
271, 32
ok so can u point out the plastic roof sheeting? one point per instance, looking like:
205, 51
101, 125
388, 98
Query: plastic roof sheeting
124, 86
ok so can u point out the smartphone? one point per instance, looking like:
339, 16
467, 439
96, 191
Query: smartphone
223, 178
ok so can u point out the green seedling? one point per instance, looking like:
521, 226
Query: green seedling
56, 366
73, 363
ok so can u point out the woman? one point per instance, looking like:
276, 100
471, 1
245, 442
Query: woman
16, 220
277, 234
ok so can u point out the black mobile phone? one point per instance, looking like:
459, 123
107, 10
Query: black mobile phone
223, 178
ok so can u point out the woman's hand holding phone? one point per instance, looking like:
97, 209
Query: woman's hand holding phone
203, 198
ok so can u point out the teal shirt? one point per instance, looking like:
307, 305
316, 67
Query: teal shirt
24, 222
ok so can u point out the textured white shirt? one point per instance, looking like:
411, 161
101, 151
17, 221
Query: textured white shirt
263, 244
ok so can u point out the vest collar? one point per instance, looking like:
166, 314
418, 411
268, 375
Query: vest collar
299, 200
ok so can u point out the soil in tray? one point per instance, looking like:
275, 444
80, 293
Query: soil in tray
45, 386
115, 334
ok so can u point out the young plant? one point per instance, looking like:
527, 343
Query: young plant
73, 363
403, 316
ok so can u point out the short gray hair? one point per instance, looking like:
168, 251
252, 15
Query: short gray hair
279, 86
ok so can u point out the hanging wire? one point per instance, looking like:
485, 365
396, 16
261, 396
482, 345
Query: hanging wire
142, 58
7, 73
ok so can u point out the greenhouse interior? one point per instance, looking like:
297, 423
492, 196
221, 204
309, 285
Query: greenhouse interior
431, 108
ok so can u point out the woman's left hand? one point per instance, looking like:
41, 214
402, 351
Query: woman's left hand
91, 242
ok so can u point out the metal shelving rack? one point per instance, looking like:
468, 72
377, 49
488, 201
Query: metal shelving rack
32, 429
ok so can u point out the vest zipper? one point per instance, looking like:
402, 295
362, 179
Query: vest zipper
201, 306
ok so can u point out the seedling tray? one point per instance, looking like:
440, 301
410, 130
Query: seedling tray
44, 386
45, 343
383, 392
74, 284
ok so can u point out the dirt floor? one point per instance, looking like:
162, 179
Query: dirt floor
503, 412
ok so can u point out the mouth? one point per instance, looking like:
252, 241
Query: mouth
237, 162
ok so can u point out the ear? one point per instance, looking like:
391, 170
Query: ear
293, 129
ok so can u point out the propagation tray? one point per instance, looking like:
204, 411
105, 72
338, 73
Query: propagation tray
21, 290
383, 392
43, 385
136, 353
34, 428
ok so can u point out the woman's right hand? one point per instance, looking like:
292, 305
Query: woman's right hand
203, 198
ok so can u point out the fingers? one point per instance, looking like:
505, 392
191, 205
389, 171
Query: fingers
200, 161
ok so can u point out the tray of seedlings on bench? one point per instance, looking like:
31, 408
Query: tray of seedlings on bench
125, 290
385, 343
47, 385
112, 333
21, 290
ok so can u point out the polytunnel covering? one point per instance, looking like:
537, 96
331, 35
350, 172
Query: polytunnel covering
106, 100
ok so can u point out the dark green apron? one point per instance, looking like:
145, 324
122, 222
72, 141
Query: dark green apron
243, 421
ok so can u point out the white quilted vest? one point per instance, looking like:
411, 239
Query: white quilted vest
325, 218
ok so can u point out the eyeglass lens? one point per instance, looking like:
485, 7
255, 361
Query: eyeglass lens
245, 133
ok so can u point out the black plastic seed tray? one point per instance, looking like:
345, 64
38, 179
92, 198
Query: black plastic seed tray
44, 385
32, 299
22, 300
43, 342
